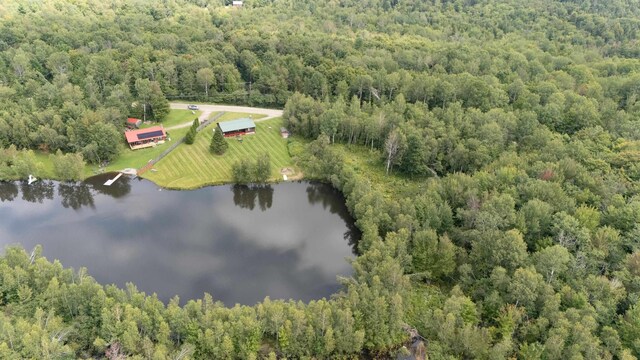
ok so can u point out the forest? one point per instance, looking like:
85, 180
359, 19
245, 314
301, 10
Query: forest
488, 150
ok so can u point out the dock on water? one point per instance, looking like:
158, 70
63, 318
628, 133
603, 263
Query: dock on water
109, 182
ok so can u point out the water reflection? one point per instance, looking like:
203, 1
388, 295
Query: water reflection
332, 199
119, 189
8, 191
38, 191
188, 242
245, 196
76, 195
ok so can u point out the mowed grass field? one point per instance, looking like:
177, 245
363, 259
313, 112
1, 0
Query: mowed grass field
193, 166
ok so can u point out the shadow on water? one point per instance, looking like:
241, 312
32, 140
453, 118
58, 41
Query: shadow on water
245, 196
333, 200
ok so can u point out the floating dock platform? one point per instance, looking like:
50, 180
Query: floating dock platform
109, 182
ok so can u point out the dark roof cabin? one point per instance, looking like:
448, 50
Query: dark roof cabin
133, 123
143, 138
284, 132
237, 127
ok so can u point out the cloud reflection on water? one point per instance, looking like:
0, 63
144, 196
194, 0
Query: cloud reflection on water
283, 241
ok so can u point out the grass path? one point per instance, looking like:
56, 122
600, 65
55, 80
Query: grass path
193, 166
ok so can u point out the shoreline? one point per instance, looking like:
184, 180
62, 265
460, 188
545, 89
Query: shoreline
299, 176
294, 178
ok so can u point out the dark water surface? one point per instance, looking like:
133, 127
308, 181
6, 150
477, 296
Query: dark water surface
239, 244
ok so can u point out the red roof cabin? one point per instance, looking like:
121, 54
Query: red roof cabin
143, 138
133, 123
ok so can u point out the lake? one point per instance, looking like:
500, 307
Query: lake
237, 243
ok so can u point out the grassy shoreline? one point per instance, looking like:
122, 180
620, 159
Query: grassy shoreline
190, 167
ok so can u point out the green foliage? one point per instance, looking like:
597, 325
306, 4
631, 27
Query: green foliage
190, 138
19, 164
493, 248
432, 254
68, 166
153, 104
245, 172
263, 168
24, 163
242, 172
498, 158
218, 143
630, 329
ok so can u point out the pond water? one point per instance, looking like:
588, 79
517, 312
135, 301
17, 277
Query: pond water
239, 244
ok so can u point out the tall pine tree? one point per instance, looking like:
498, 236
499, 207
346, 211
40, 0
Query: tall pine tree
218, 144
190, 138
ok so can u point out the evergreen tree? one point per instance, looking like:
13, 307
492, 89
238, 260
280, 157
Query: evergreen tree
218, 143
190, 138
414, 161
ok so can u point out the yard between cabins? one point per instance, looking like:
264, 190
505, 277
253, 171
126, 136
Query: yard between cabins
176, 117
193, 166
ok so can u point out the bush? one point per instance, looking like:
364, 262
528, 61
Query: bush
68, 166
263, 168
243, 172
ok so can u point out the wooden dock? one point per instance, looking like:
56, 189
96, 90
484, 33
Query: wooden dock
109, 182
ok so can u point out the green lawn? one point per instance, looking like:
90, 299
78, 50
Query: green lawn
175, 117
193, 166
138, 158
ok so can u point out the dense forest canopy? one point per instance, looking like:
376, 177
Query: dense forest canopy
487, 149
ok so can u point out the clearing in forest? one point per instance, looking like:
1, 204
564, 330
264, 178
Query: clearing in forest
193, 166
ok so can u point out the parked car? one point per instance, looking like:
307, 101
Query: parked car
192, 107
